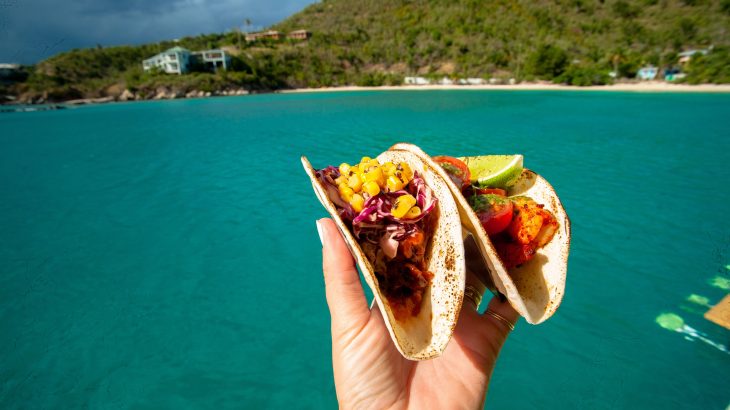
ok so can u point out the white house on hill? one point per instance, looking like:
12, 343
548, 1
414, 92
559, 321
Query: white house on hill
214, 59
178, 60
7, 69
173, 61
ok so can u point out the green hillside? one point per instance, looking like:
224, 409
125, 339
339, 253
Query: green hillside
374, 42
523, 39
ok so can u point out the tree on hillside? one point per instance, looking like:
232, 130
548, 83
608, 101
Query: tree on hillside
548, 61
711, 68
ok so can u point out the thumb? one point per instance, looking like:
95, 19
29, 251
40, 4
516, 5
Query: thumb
345, 296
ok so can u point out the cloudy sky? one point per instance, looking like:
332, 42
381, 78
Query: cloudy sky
31, 30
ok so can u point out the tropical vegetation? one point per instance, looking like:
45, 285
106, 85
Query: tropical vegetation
377, 42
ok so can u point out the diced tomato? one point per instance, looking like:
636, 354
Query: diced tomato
495, 191
549, 227
513, 253
531, 228
527, 222
457, 170
493, 211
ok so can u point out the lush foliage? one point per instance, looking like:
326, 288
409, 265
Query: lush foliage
524, 39
548, 62
583, 76
376, 42
712, 68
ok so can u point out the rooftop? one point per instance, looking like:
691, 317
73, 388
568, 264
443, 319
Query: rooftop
177, 49
690, 53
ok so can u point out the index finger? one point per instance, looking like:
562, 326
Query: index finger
345, 295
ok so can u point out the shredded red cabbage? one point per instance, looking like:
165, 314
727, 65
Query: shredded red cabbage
375, 223
327, 177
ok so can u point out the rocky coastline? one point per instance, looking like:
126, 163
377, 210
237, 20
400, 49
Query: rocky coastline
159, 93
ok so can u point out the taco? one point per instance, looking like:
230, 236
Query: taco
521, 229
402, 226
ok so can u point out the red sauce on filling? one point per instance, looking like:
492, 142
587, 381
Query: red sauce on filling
406, 278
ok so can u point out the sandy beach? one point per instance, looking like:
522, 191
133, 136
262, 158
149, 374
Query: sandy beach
648, 86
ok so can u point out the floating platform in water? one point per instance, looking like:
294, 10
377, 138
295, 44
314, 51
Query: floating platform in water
720, 313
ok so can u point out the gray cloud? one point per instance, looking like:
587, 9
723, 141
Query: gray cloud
32, 30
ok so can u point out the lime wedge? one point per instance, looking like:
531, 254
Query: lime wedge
494, 171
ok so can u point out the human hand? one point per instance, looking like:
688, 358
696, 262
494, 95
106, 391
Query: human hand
371, 373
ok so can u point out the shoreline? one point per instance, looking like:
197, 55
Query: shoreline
650, 86
643, 87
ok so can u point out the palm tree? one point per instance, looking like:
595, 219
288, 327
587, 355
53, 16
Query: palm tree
247, 23
616, 59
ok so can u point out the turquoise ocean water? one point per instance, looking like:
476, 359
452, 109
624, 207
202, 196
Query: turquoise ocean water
164, 254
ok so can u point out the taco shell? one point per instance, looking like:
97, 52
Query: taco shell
536, 288
424, 336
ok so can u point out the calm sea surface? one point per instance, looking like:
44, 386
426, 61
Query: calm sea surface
164, 254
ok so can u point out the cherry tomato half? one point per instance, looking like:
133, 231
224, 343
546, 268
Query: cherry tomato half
457, 170
493, 211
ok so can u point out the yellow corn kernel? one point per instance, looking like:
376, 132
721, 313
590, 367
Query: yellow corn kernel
342, 179
346, 192
402, 205
413, 212
354, 169
407, 172
394, 184
355, 182
369, 165
371, 187
381, 181
403, 177
364, 161
388, 168
375, 174
344, 168
364, 168
357, 202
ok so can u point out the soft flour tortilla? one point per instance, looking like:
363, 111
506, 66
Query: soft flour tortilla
424, 336
536, 288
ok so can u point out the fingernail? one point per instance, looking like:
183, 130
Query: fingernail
319, 231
